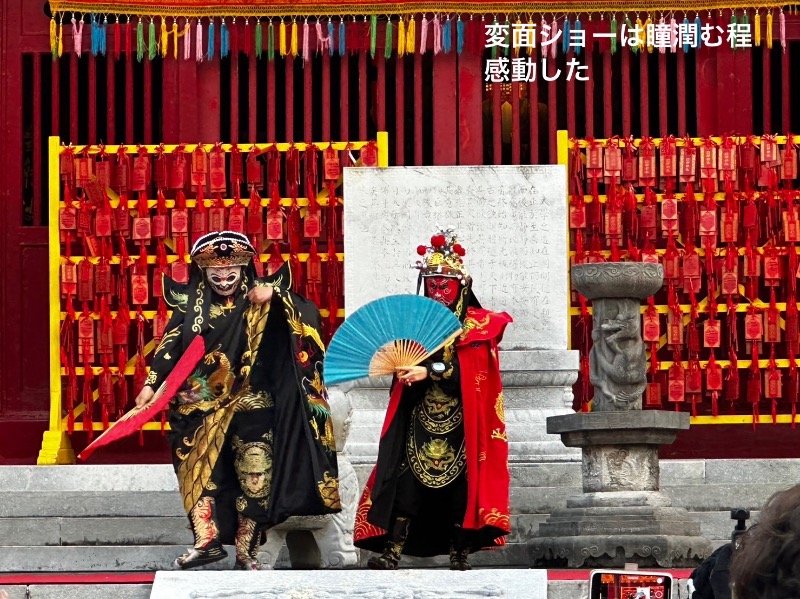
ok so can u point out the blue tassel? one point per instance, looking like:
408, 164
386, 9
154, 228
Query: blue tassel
565, 33
577, 27
342, 39
699, 27
103, 31
459, 35
446, 37
211, 40
330, 37
223, 40
95, 35
686, 46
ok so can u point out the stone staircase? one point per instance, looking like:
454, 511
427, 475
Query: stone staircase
60, 519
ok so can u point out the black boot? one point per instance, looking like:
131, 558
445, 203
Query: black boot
207, 547
390, 558
459, 550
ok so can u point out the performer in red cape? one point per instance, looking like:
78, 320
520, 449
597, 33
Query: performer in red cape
251, 431
441, 483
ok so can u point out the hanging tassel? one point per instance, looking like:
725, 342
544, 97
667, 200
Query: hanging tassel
175, 39
198, 52
673, 35
614, 35
282, 38
94, 36
248, 40
732, 27
411, 34
565, 36
128, 38
259, 34
423, 38
661, 23
103, 29
545, 37
373, 34
140, 40
330, 37
553, 35
643, 36
77, 37
187, 40
321, 41
769, 30
233, 33
211, 39
698, 26
686, 45
437, 35
401, 38
342, 38
53, 38
447, 38
164, 38
306, 43
459, 35
387, 47
224, 42
151, 40
61, 37
782, 25
758, 28
577, 27
294, 39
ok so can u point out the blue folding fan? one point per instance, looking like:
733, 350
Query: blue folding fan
387, 334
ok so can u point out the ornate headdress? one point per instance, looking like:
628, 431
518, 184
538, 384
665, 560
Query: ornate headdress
443, 257
223, 248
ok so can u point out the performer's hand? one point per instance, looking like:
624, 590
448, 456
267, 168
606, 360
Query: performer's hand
260, 295
145, 396
412, 374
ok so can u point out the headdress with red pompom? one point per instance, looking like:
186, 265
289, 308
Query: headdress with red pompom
443, 257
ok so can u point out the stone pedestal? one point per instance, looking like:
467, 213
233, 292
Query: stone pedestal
621, 516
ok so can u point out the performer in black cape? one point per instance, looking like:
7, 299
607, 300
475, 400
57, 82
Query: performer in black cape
251, 431
441, 482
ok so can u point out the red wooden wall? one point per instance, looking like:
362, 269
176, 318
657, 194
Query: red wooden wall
437, 110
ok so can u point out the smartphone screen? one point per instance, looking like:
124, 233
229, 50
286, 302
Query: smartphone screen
629, 584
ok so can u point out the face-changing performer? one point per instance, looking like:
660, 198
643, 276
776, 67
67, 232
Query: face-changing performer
251, 431
441, 482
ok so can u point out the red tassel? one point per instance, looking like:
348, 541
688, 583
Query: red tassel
116, 39
297, 271
275, 260
248, 42
715, 404
234, 29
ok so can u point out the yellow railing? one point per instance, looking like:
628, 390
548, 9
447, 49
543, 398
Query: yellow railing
56, 446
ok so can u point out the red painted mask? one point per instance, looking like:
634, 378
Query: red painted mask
442, 289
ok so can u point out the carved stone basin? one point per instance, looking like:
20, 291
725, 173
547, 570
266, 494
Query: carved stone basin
636, 280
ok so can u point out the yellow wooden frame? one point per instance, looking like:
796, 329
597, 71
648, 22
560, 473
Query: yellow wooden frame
56, 447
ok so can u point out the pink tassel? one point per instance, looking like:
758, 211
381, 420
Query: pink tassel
77, 37
673, 35
423, 38
782, 22
320, 40
554, 35
306, 43
437, 35
545, 36
187, 41
199, 44
662, 49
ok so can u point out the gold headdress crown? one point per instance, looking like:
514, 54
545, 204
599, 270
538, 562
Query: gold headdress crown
443, 257
223, 248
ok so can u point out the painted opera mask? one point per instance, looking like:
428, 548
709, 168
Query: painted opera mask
444, 290
224, 279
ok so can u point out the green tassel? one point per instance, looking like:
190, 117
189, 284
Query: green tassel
270, 42
139, 41
373, 34
634, 48
387, 51
733, 28
614, 35
494, 48
152, 33
507, 49
258, 38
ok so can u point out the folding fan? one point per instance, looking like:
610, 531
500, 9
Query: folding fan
386, 334
133, 420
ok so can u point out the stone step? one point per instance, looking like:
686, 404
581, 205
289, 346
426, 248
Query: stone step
77, 591
119, 502
95, 531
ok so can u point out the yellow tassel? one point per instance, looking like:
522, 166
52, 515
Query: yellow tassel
411, 35
60, 39
532, 27
294, 38
647, 23
53, 38
519, 25
282, 37
758, 28
769, 30
641, 37
164, 38
401, 38
175, 38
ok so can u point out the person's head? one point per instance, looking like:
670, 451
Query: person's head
223, 255
766, 562
442, 274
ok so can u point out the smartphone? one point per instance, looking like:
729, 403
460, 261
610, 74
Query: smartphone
629, 584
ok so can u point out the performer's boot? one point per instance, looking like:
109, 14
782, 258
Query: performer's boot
207, 546
459, 550
390, 558
248, 537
